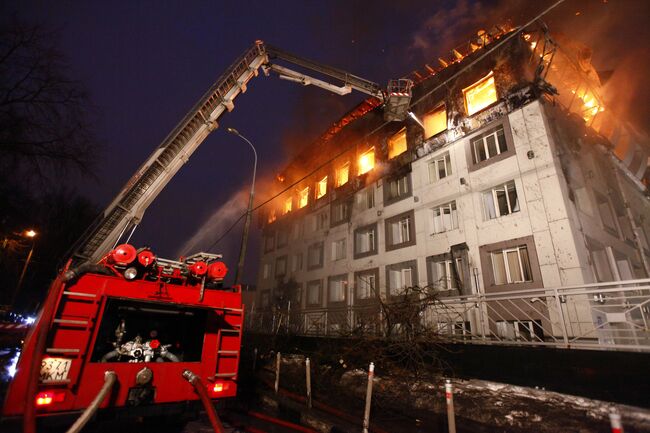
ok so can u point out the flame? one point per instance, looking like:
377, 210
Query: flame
480, 94
272, 217
288, 205
342, 174
367, 161
321, 187
303, 198
280, 177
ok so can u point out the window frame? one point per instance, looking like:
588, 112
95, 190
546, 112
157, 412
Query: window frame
370, 150
308, 286
344, 279
334, 249
449, 171
440, 107
316, 245
488, 270
345, 204
475, 84
338, 170
453, 215
397, 219
413, 270
375, 241
394, 138
492, 193
485, 131
374, 292
388, 197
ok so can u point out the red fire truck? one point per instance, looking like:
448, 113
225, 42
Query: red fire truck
124, 329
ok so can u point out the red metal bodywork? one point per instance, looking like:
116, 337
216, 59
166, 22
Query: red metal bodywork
73, 332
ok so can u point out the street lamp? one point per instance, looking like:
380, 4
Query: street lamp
32, 235
247, 223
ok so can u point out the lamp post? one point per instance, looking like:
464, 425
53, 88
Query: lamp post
29, 234
247, 223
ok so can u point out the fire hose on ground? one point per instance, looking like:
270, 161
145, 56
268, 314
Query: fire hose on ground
196, 382
110, 377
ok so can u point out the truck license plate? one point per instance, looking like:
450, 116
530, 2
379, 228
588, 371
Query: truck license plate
55, 369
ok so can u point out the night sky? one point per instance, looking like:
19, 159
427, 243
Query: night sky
146, 63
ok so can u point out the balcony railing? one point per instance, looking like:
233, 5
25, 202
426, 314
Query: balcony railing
613, 315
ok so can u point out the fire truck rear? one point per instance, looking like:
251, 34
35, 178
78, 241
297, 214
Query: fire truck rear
145, 329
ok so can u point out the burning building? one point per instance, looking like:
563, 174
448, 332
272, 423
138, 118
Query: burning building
512, 194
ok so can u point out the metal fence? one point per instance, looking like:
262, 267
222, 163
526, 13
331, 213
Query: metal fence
613, 315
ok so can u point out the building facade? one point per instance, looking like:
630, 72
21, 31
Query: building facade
503, 185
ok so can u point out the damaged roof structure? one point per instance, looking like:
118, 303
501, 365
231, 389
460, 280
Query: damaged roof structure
510, 200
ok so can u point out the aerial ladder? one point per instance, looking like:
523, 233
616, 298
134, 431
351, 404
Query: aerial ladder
125, 212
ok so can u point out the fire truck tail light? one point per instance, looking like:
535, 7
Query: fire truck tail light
220, 387
123, 254
46, 398
217, 271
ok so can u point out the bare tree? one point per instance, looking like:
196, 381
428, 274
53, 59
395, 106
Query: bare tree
44, 126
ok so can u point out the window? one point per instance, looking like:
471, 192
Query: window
271, 217
435, 121
365, 241
297, 229
401, 276
288, 205
337, 288
439, 167
445, 276
606, 213
266, 271
400, 231
444, 218
366, 198
313, 292
296, 262
269, 242
321, 187
367, 161
599, 261
340, 212
342, 174
283, 237
315, 256
397, 144
281, 266
396, 189
266, 298
511, 265
338, 249
366, 284
527, 330
500, 200
320, 220
303, 198
480, 94
489, 144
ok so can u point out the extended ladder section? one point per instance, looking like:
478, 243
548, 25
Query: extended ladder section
126, 211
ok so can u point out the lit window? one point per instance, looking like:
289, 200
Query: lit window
489, 144
500, 200
367, 161
303, 198
511, 265
365, 285
342, 174
397, 144
480, 94
337, 286
439, 167
271, 217
321, 187
435, 121
338, 249
444, 218
288, 204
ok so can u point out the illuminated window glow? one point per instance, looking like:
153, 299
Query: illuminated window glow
321, 187
288, 205
303, 198
342, 174
480, 94
435, 121
397, 144
272, 216
367, 161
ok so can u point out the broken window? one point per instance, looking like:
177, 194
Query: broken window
511, 265
439, 167
480, 94
367, 161
435, 121
443, 275
342, 174
489, 144
397, 144
321, 187
500, 200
